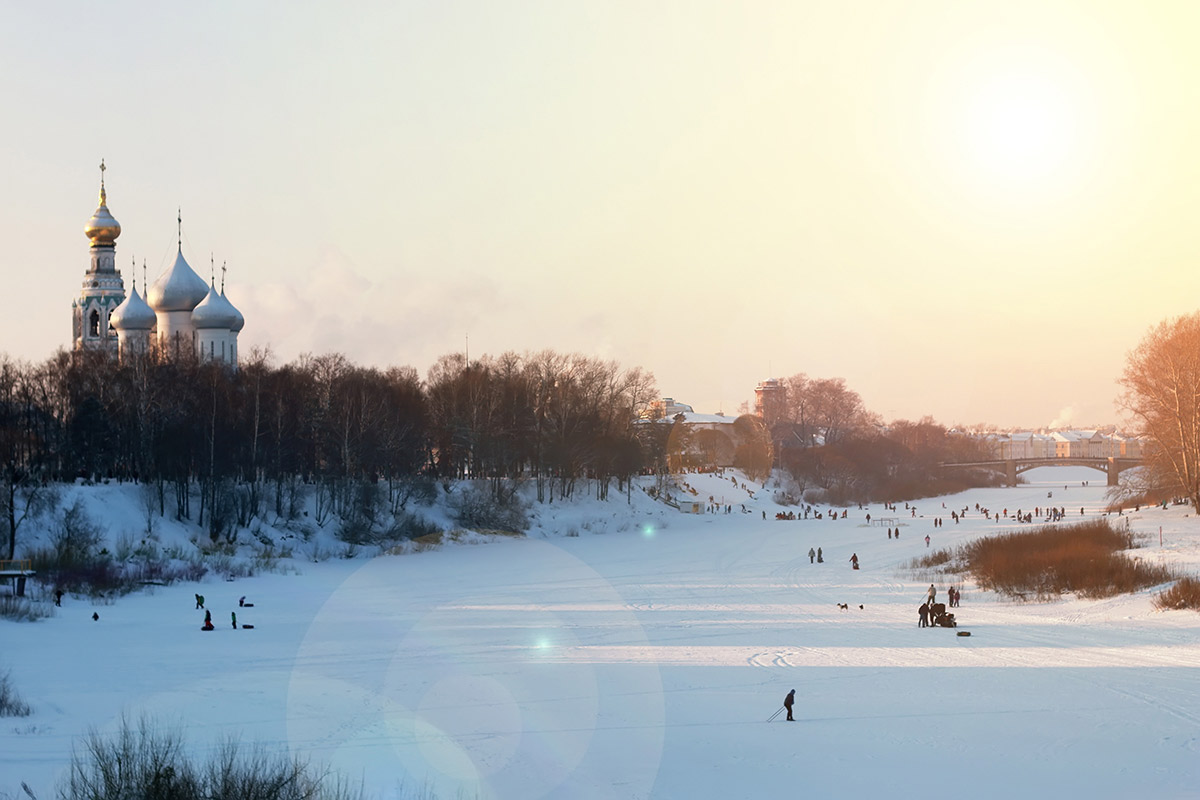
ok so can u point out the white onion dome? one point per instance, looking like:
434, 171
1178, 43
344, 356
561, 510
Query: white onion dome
177, 289
239, 321
213, 312
133, 314
102, 229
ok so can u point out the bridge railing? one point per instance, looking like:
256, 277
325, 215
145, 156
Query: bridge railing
16, 565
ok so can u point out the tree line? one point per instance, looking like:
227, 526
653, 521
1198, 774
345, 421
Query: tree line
361, 443
220, 446
830, 444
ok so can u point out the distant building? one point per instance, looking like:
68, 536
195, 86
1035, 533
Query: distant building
1064, 444
179, 313
770, 401
667, 407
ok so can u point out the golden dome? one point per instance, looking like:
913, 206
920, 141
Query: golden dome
102, 229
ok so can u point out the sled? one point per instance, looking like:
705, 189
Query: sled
246, 605
963, 633
247, 627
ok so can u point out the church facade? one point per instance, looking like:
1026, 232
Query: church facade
178, 314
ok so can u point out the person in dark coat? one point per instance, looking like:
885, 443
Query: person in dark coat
854, 560
58, 598
820, 558
923, 611
787, 703
233, 614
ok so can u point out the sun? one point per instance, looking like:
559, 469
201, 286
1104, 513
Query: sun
1020, 126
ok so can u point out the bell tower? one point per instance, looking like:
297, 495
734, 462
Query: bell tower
103, 288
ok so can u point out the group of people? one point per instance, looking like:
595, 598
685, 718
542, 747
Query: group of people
208, 623
817, 554
926, 611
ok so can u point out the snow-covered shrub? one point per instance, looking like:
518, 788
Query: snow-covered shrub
22, 609
816, 497
125, 546
406, 525
11, 704
148, 763
784, 497
476, 507
1184, 593
362, 513
419, 489
151, 505
77, 536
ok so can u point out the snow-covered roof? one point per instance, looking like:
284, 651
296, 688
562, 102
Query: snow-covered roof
692, 418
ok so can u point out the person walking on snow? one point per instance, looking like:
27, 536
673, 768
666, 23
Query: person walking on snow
923, 611
932, 595
199, 601
233, 614
854, 560
811, 555
820, 559
927, 540
787, 703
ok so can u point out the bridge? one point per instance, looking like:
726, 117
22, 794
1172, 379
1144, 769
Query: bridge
16, 571
1012, 467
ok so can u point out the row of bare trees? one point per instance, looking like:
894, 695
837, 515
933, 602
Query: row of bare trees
827, 439
238, 442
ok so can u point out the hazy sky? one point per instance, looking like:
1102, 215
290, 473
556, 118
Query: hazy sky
968, 210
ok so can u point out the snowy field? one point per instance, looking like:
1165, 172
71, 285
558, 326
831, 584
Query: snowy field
643, 657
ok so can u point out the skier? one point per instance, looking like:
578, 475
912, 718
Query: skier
811, 554
854, 559
787, 703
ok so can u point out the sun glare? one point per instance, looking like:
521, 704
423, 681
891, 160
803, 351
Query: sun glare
1020, 126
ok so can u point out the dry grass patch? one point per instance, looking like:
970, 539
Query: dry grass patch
1185, 593
1085, 559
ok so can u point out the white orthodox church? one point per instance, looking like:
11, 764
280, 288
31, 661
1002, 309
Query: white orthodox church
179, 313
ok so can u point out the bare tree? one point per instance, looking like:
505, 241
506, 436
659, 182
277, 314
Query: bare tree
1162, 396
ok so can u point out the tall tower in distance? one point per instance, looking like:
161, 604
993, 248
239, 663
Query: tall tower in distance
770, 401
103, 288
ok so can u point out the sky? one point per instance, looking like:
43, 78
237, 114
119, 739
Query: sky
972, 211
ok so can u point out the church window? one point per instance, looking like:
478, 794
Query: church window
94, 323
